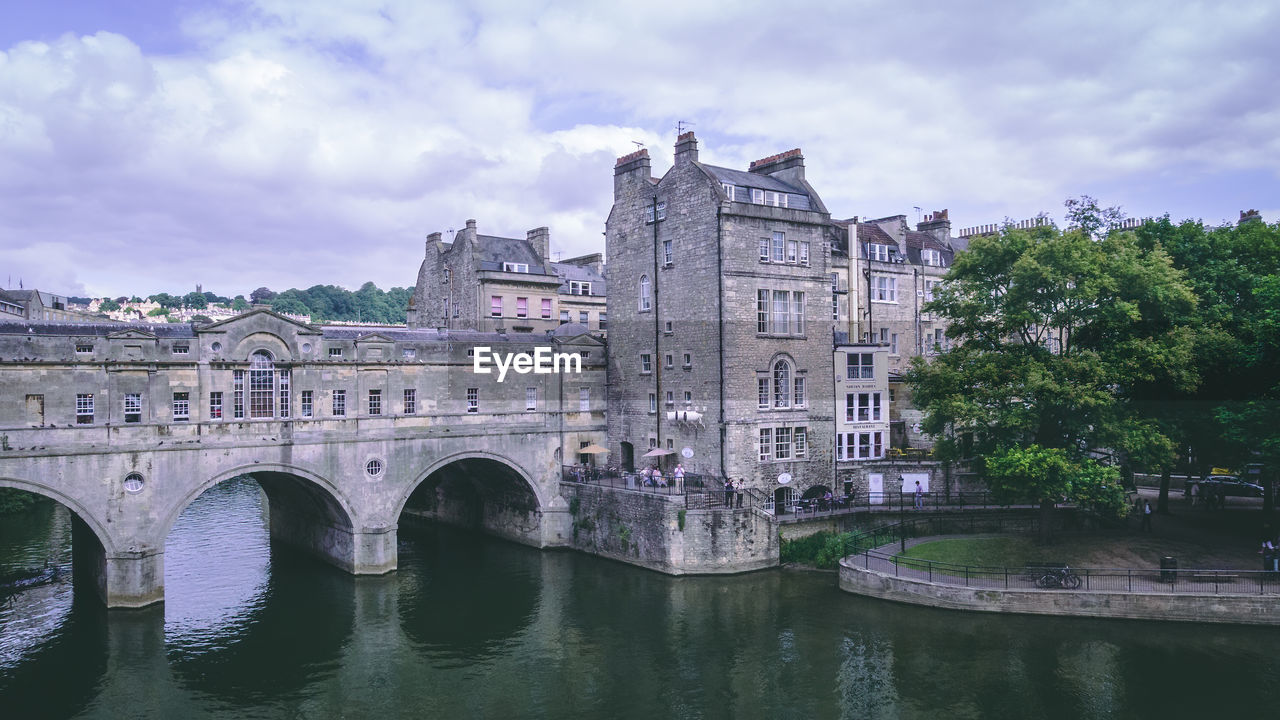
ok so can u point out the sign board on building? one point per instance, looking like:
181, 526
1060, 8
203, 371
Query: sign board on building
784, 478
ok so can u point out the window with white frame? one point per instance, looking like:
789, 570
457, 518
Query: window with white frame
862, 407
775, 199
766, 444
339, 403
764, 249
782, 384
801, 435
662, 210
530, 399
762, 311
133, 407
835, 306
546, 308
583, 317
603, 320
931, 257
860, 446
282, 385
262, 385
668, 361
646, 363
515, 267
792, 251
375, 402
728, 190
181, 406
666, 253
779, 247
181, 349
860, 366
670, 397
688, 397
804, 253
762, 385
215, 405
645, 301
757, 196
306, 403
495, 306
893, 343
473, 400
410, 401
653, 402
522, 307
84, 408
237, 393
782, 443
564, 317
688, 361
584, 399
797, 313
877, 251
929, 287
884, 288
335, 353
653, 442
798, 397
781, 312
84, 347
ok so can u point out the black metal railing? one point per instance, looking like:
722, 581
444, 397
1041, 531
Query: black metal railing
806, 508
862, 549
697, 490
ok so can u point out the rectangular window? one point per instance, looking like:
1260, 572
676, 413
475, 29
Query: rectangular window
522, 307
668, 361
804, 253
688, 397
885, 289
84, 409
602, 321
667, 328
797, 313
878, 252
546, 308
764, 249
646, 364
237, 394
766, 444
671, 398
564, 317
653, 402
757, 196
181, 349
515, 267
133, 407
409, 353
792, 249
410, 401
307, 403
728, 190
779, 247
215, 406
762, 311
530, 399
583, 317
335, 352
860, 366
84, 347
762, 386
835, 307
181, 407
840, 446
339, 403
799, 394
584, 399
782, 443
579, 287
893, 344
801, 442
781, 312
671, 444
666, 252
262, 389
495, 306
653, 442
662, 210
688, 360
929, 287
939, 341
864, 446
866, 409
375, 402
473, 400
285, 394
931, 257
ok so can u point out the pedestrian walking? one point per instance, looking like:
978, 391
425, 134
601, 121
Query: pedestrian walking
919, 496
1146, 516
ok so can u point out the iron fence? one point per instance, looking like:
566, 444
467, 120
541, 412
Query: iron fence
696, 490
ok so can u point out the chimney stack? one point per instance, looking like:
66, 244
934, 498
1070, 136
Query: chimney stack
630, 168
540, 239
937, 224
686, 149
1249, 216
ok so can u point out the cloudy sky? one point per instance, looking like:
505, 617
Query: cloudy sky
149, 145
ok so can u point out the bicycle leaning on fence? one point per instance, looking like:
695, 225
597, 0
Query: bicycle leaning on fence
1058, 578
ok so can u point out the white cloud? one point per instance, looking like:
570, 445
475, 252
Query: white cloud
297, 143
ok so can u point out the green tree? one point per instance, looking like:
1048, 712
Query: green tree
261, 295
201, 319
195, 301
109, 305
166, 300
1054, 332
239, 304
156, 312
289, 305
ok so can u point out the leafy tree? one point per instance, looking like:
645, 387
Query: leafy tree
289, 305
195, 301
135, 299
261, 295
109, 305
1056, 332
201, 319
166, 300
156, 312
13, 501
239, 304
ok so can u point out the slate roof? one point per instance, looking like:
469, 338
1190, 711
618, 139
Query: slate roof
871, 233
491, 251
569, 271
164, 330
753, 180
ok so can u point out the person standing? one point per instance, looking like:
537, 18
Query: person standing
1146, 515
919, 496
728, 492
679, 473
737, 487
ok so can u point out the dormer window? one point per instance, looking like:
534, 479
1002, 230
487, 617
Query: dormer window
515, 267
577, 287
728, 190
877, 251
931, 257
757, 196
775, 199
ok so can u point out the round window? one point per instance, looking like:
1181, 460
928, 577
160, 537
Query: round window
306, 347
133, 482
216, 347
373, 468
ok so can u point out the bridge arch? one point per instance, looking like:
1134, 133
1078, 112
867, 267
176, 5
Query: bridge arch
307, 510
477, 489
77, 509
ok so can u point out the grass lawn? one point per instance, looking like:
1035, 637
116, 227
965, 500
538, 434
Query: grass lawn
988, 552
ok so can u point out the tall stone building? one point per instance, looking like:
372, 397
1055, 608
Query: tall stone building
490, 283
720, 326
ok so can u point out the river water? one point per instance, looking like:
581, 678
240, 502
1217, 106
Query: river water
475, 627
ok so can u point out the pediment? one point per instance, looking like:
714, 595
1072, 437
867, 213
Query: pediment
255, 318
374, 338
132, 335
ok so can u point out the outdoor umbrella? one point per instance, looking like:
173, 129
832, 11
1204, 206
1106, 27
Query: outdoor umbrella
658, 452
593, 450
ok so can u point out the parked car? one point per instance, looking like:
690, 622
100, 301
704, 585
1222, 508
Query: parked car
1226, 486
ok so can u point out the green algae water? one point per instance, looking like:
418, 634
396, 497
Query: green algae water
476, 627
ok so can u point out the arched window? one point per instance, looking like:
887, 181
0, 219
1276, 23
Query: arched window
645, 302
262, 385
782, 384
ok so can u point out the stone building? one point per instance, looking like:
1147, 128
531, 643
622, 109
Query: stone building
37, 306
720, 326
492, 284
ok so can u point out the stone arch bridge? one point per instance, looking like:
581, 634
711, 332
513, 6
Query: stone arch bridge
342, 428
